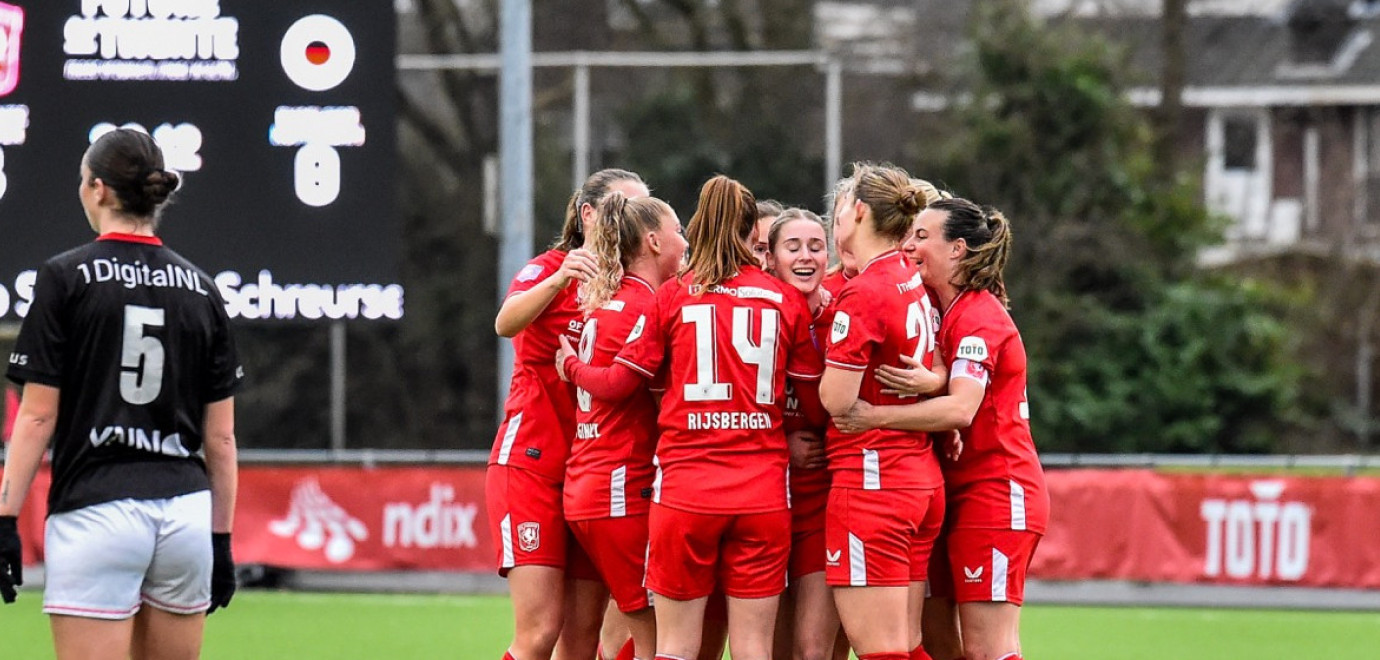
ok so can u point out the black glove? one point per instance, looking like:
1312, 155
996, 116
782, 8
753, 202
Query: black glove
222, 572
11, 558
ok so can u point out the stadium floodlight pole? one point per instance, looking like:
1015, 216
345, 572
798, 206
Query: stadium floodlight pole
580, 168
515, 160
833, 122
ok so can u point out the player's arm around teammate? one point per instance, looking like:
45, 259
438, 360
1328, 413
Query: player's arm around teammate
527, 464
999, 506
137, 538
808, 625
638, 245
886, 501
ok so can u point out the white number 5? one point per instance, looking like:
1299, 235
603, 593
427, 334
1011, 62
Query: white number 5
141, 356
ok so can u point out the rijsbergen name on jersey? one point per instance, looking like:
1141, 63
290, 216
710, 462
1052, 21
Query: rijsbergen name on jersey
725, 421
138, 274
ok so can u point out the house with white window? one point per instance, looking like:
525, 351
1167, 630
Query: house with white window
1282, 111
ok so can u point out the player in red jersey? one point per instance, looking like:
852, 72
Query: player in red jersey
998, 503
886, 498
527, 465
807, 624
729, 336
608, 481
767, 212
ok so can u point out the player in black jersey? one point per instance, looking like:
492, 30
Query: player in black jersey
129, 371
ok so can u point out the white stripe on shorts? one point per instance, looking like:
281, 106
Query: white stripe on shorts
999, 567
505, 528
509, 436
872, 470
857, 562
1017, 507
618, 492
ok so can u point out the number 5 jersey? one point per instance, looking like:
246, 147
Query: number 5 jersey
137, 341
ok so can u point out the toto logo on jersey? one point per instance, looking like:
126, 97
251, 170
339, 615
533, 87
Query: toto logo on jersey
11, 26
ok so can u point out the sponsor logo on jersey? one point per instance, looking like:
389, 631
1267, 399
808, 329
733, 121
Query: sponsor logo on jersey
972, 575
637, 329
1267, 537
316, 522
439, 522
614, 305
840, 328
529, 272
832, 557
972, 348
743, 292
529, 536
150, 440
915, 283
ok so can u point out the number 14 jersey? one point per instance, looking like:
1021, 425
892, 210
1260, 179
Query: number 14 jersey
730, 349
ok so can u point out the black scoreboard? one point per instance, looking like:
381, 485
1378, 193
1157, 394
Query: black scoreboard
279, 116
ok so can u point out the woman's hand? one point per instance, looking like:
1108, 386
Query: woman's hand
579, 265
952, 445
807, 450
912, 381
565, 351
861, 417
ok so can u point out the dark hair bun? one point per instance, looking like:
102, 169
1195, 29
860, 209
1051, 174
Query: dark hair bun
159, 185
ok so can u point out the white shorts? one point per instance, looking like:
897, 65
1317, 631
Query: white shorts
105, 560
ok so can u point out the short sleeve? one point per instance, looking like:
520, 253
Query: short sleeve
976, 339
853, 334
226, 374
531, 275
37, 356
646, 345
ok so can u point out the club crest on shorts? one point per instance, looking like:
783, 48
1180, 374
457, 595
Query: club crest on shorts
529, 536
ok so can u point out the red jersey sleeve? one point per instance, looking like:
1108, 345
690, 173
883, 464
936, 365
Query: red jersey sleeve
854, 333
645, 348
536, 270
978, 339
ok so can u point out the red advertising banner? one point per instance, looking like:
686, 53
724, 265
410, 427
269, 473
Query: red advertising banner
343, 518
1106, 524
1213, 529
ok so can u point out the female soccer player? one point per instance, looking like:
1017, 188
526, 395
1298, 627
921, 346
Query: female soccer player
807, 624
527, 465
729, 335
886, 500
767, 212
608, 482
998, 506
131, 379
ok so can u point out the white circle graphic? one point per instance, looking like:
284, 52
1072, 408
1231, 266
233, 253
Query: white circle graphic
318, 52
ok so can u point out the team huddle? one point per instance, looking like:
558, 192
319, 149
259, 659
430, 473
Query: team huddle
717, 435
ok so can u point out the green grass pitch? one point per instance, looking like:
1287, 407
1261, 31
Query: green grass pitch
303, 626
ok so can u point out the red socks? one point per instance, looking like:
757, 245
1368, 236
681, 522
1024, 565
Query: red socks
885, 656
918, 653
627, 652
508, 656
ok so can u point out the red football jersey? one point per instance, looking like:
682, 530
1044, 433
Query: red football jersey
879, 315
610, 471
540, 412
804, 484
728, 351
833, 282
997, 482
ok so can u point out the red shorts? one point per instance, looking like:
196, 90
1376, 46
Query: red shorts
525, 518
744, 555
881, 538
618, 549
982, 565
